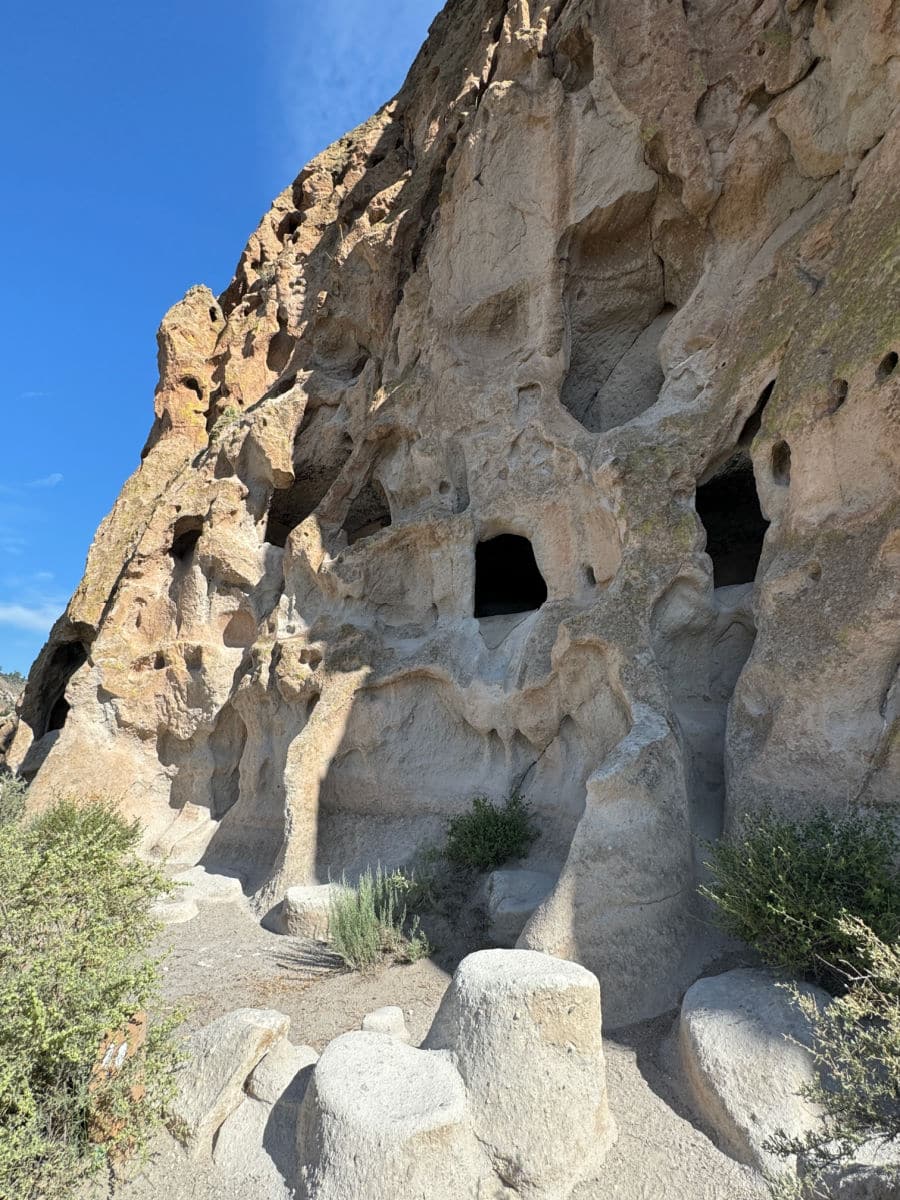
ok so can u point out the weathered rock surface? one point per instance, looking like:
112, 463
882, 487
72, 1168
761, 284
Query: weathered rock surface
512, 896
389, 1020
744, 1046
219, 1058
305, 911
382, 1120
545, 439
255, 1147
506, 1097
278, 1070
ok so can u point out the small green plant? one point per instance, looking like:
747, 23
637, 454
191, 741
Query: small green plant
490, 834
74, 927
368, 921
783, 887
12, 798
856, 1047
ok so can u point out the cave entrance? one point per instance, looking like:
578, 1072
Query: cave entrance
507, 579
51, 707
728, 506
369, 513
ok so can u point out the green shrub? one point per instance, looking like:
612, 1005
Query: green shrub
74, 926
490, 834
856, 1047
783, 887
12, 798
368, 921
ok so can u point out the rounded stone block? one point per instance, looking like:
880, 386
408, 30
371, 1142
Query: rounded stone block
389, 1020
305, 911
385, 1121
524, 1031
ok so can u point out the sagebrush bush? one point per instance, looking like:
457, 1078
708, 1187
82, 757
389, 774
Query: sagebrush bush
368, 920
856, 1047
12, 798
783, 887
74, 927
490, 834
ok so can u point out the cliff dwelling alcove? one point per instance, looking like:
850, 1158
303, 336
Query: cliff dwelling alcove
313, 477
185, 537
728, 506
369, 512
48, 709
507, 579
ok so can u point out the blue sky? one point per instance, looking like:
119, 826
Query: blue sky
141, 145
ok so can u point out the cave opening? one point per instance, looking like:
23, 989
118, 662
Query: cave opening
369, 513
291, 506
507, 578
65, 661
185, 537
728, 506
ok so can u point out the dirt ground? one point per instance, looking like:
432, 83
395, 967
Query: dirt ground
224, 960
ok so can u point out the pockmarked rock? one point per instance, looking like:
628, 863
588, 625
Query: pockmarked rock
745, 1049
544, 441
218, 1060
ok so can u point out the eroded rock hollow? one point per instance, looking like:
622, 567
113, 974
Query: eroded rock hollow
545, 441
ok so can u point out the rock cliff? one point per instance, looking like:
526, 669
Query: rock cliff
544, 440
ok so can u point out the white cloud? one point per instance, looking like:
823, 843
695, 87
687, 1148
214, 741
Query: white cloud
38, 619
48, 481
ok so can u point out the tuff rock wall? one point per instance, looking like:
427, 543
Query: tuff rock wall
613, 282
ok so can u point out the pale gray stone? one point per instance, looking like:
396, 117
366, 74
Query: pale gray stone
219, 1058
389, 1020
744, 1045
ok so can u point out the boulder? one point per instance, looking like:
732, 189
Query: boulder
744, 1046
277, 1071
524, 1031
389, 1020
381, 1120
511, 898
219, 1058
206, 887
255, 1149
305, 911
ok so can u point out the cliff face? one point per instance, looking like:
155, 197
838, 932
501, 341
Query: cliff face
545, 439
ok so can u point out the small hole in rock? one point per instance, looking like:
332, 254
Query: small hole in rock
159, 662
185, 536
837, 394
369, 513
507, 578
781, 464
444, 487
213, 315
888, 365
190, 382
754, 421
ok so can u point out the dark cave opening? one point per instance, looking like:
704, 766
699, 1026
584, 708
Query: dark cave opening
291, 506
507, 579
728, 506
66, 660
369, 512
185, 537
